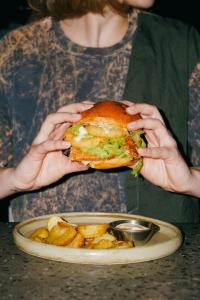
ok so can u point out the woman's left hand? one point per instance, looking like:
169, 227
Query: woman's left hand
163, 164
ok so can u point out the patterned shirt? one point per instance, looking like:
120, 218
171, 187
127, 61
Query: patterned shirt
42, 70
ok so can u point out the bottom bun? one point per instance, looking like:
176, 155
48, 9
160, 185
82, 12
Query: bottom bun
111, 163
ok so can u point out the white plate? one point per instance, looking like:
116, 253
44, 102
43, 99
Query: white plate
163, 243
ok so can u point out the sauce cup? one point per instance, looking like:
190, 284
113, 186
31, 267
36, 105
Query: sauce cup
139, 232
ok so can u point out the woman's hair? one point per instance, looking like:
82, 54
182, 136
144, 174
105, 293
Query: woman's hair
63, 9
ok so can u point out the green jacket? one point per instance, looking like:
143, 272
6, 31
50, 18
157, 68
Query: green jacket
164, 54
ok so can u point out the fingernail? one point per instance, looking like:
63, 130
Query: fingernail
66, 144
132, 125
131, 108
141, 151
89, 105
77, 116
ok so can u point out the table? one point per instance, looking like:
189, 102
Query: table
26, 277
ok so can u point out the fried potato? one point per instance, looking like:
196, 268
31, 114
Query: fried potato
54, 221
77, 242
66, 224
88, 242
66, 238
39, 240
102, 244
57, 220
89, 236
61, 234
92, 230
40, 234
105, 236
123, 244
55, 233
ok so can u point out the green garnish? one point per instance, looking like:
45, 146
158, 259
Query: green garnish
138, 137
75, 129
112, 147
136, 169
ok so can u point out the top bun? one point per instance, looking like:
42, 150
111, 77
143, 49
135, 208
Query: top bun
109, 113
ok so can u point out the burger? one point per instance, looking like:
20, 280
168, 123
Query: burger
102, 140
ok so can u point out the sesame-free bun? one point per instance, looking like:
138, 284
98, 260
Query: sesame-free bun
112, 163
105, 120
111, 113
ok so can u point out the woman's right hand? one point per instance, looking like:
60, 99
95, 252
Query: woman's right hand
45, 162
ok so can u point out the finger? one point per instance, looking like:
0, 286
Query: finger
88, 102
151, 138
146, 110
163, 135
59, 132
163, 153
38, 152
128, 103
75, 167
52, 121
76, 107
33, 161
149, 123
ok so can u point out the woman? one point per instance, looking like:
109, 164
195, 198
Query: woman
96, 50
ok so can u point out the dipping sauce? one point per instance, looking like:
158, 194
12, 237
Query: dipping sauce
131, 227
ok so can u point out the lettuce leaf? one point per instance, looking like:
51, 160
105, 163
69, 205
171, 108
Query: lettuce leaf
137, 167
112, 147
75, 129
138, 137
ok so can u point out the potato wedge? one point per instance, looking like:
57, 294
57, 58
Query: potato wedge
66, 237
123, 244
40, 234
103, 244
54, 221
105, 236
39, 240
89, 236
57, 231
92, 230
77, 242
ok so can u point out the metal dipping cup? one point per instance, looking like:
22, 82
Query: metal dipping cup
137, 231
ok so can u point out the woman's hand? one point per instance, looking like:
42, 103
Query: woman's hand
45, 162
163, 164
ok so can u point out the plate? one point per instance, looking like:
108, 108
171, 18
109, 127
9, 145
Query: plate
163, 243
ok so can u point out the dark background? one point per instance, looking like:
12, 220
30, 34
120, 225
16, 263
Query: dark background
14, 13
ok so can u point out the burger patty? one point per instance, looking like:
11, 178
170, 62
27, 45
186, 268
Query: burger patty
91, 142
105, 131
78, 155
130, 146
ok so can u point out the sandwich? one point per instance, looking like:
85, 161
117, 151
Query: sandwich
102, 140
